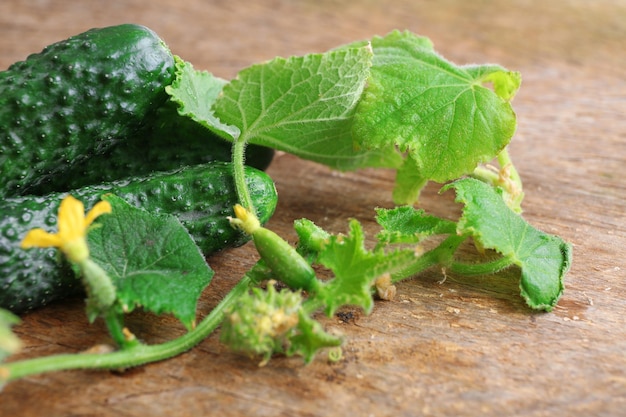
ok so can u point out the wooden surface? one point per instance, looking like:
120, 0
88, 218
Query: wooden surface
452, 348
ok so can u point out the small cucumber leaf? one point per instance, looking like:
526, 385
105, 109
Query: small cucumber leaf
195, 92
304, 106
442, 114
544, 259
355, 269
151, 259
309, 338
407, 224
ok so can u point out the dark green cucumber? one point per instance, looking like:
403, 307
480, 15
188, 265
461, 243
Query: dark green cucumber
168, 141
76, 99
201, 197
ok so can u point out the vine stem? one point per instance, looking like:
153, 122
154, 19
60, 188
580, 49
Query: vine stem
121, 336
485, 268
506, 177
504, 160
441, 255
444, 255
139, 354
238, 159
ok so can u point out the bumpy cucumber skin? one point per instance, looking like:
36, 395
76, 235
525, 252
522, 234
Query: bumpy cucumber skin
77, 98
35, 277
167, 141
201, 197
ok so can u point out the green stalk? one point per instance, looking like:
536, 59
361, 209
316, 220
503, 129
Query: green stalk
444, 255
239, 149
136, 355
485, 175
508, 178
115, 324
485, 268
504, 160
441, 255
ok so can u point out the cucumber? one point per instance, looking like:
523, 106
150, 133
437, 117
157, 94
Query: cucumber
201, 196
168, 141
76, 99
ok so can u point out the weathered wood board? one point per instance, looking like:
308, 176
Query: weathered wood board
452, 348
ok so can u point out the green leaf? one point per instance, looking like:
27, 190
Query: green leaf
151, 259
195, 92
309, 338
355, 269
544, 259
442, 114
407, 224
304, 105
505, 83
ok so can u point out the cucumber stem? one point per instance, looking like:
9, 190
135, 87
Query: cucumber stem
121, 335
485, 268
136, 355
504, 160
441, 255
238, 160
444, 255
506, 177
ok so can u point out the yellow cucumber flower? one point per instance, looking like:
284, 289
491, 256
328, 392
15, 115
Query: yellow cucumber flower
73, 224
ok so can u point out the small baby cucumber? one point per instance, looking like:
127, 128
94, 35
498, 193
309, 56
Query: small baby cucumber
201, 196
285, 262
77, 98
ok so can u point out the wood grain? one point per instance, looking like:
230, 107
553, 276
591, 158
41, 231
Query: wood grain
461, 347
